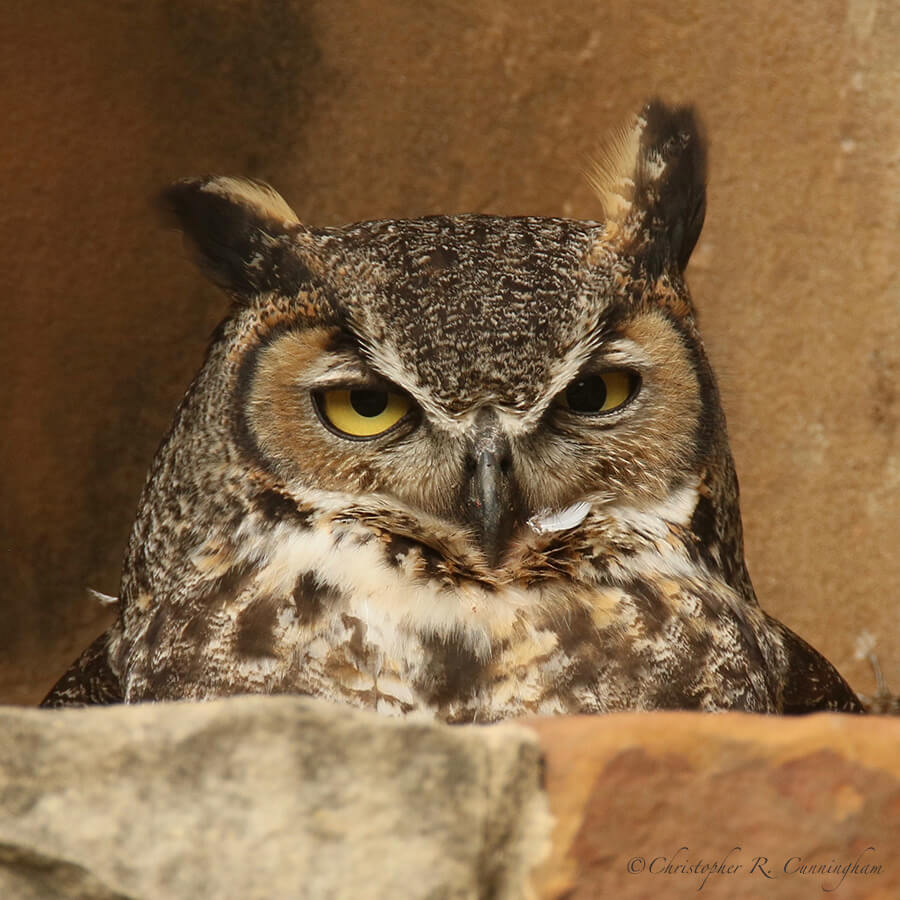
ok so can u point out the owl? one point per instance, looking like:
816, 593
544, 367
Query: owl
463, 467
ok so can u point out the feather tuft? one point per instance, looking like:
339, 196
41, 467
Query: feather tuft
103, 599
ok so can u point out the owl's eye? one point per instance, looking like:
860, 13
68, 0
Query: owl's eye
603, 392
362, 412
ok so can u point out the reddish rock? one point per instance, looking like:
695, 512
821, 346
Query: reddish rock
781, 806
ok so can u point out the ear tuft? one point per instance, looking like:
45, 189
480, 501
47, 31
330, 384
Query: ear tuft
612, 172
237, 228
651, 181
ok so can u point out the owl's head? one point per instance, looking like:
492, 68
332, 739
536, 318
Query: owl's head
484, 386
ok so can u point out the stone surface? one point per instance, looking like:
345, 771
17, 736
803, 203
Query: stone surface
262, 798
359, 110
640, 798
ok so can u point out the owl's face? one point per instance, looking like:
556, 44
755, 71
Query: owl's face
469, 376
469, 466
477, 384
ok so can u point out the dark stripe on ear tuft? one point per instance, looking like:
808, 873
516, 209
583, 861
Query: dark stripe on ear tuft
238, 230
671, 183
651, 181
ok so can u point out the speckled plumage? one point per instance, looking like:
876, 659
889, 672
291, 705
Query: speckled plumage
496, 552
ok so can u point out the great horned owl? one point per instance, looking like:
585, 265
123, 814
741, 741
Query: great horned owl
467, 466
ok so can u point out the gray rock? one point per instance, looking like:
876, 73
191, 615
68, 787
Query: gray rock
264, 797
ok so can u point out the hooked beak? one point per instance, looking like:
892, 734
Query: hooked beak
493, 504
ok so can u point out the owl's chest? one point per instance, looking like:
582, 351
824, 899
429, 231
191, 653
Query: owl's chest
428, 653
352, 622
345, 621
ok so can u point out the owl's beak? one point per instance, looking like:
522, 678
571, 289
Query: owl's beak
493, 504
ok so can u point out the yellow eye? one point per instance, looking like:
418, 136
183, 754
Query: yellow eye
591, 395
362, 412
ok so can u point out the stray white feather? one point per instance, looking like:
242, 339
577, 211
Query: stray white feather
547, 521
865, 644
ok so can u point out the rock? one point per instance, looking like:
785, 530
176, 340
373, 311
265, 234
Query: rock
640, 798
263, 797
271, 797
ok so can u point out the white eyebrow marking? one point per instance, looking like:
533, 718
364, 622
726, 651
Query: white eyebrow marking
334, 369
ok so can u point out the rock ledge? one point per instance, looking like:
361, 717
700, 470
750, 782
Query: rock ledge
271, 797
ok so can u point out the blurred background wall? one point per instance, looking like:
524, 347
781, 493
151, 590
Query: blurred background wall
365, 109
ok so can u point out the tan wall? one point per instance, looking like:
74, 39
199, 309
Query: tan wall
363, 109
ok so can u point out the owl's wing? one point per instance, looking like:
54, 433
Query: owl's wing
89, 681
812, 684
